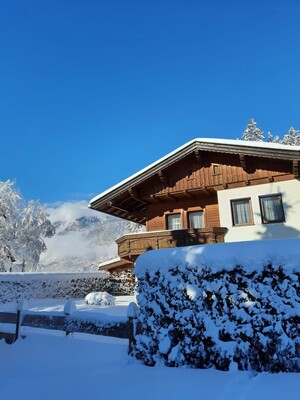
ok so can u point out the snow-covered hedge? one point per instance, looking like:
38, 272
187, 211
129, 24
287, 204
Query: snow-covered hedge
51, 285
225, 306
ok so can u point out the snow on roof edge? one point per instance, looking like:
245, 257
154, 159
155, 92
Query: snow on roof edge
236, 142
108, 262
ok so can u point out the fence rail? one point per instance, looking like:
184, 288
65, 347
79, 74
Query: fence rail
12, 322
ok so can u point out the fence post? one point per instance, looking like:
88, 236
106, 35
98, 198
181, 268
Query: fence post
131, 315
21, 306
17, 325
69, 308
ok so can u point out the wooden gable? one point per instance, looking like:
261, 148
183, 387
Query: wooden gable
191, 178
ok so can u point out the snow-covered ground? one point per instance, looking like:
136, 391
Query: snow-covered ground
82, 367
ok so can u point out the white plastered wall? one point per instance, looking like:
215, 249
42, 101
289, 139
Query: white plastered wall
290, 191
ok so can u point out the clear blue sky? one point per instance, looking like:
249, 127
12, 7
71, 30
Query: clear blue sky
92, 91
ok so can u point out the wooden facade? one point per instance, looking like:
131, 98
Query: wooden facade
187, 181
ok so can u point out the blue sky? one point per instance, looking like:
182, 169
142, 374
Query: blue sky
93, 91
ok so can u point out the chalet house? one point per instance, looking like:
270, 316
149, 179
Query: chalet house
207, 191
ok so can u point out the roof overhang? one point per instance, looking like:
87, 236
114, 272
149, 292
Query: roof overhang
243, 148
115, 263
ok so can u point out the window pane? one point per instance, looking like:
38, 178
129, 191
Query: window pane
196, 220
241, 212
174, 221
271, 208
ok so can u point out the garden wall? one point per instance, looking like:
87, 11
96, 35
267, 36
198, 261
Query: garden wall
14, 286
228, 306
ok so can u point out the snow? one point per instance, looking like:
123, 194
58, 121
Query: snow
100, 298
70, 307
252, 254
82, 367
42, 276
52, 366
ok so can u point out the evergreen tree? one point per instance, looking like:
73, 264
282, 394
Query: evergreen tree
273, 139
292, 138
252, 132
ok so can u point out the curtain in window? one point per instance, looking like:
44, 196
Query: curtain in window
196, 220
272, 208
174, 222
242, 212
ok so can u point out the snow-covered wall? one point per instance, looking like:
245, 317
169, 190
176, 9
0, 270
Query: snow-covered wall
228, 306
289, 190
55, 285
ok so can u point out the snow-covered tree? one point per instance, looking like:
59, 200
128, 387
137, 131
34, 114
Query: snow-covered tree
273, 139
292, 138
23, 225
252, 132
9, 201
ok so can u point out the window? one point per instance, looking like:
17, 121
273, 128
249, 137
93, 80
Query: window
196, 220
241, 212
174, 221
271, 208
216, 169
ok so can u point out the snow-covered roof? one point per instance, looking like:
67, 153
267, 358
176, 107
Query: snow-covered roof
266, 149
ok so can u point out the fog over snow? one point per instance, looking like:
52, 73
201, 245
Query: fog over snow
69, 211
82, 240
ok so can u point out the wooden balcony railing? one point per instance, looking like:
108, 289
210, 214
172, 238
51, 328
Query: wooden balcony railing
132, 245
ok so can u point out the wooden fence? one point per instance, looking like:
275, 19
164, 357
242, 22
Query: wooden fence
14, 321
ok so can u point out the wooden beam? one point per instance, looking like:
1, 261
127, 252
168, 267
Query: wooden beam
163, 177
170, 197
188, 194
296, 168
207, 192
198, 156
134, 195
271, 179
243, 161
153, 196
123, 211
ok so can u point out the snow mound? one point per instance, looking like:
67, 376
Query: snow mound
70, 307
100, 299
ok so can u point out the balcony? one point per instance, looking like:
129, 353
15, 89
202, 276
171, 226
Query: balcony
132, 245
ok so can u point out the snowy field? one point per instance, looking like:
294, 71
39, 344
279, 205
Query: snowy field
44, 366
